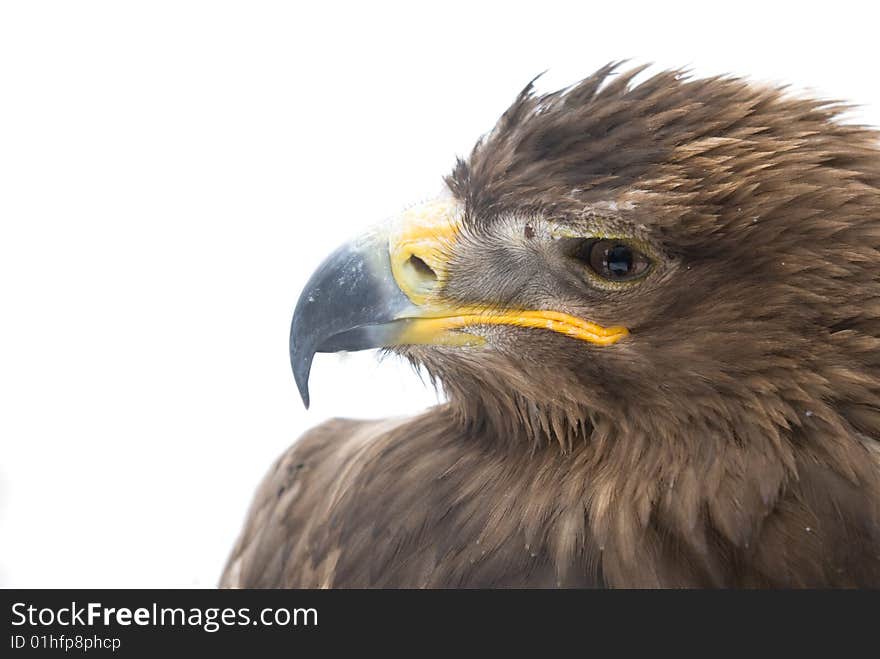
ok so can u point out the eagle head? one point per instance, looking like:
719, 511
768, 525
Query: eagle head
686, 267
674, 255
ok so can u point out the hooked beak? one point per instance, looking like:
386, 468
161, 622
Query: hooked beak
384, 289
368, 293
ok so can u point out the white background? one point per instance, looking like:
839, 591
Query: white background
170, 174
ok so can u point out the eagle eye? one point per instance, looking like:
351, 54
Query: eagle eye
613, 260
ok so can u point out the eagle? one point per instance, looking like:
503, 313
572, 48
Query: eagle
653, 306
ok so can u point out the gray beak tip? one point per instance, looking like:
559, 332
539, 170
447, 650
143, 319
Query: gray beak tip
301, 365
303, 386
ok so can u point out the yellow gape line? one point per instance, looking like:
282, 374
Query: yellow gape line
429, 330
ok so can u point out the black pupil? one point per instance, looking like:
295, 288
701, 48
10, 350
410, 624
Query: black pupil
619, 260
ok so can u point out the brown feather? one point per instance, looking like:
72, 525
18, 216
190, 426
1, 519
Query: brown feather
732, 442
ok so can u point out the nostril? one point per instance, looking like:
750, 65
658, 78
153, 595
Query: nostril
422, 270
417, 271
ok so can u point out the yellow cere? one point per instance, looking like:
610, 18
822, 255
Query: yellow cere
425, 231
